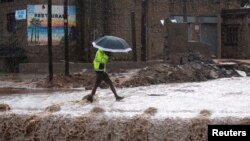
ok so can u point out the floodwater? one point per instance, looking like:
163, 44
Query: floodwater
177, 112
21, 91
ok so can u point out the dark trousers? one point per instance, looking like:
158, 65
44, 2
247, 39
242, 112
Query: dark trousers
103, 76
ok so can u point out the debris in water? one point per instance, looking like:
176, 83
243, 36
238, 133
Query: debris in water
4, 107
97, 110
205, 113
150, 111
53, 108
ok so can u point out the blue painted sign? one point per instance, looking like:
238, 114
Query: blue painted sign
20, 14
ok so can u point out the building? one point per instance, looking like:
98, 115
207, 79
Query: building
15, 33
137, 21
235, 33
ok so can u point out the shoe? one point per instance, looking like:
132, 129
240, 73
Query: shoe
90, 98
118, 98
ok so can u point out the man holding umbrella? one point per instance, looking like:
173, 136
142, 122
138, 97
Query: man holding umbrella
105, 46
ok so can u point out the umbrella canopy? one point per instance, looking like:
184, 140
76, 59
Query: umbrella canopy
111, 44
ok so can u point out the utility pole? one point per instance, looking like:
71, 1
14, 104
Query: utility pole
92, 26
66, 38
106, 8
50, 40
218, 36
133, 31
143, 30
166, 43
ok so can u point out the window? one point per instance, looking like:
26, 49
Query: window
11, 22
230, 35
4, 1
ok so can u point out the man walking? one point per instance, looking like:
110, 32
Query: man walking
100, 63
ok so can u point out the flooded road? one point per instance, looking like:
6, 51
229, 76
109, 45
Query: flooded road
22, 91
192, 97
179, 111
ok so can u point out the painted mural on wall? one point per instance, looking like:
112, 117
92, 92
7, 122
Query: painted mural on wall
37, 24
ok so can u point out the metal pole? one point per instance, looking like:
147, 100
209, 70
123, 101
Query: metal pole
143, 30
50, 40
133, 35
92, 27
66, 38
106, 7
184, 11
219, 36
166, 44
80, 31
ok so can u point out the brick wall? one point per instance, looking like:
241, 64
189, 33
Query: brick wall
111, 17
160, 9
179, 46
19, 37
119, 22
239, 21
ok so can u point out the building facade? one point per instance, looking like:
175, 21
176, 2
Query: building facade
137, 21
17, 33
235, 33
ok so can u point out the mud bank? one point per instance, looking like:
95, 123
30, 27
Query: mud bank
96, 127
195, 68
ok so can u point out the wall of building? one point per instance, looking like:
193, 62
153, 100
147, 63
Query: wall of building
160, 9
18, 38
119, 20
179, 47
113, 17
236, 31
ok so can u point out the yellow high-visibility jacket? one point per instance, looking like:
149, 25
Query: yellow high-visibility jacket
100, 61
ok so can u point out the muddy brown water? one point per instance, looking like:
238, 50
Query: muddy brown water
12, 91
98, 127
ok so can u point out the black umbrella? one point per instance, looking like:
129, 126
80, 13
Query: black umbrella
111, 44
